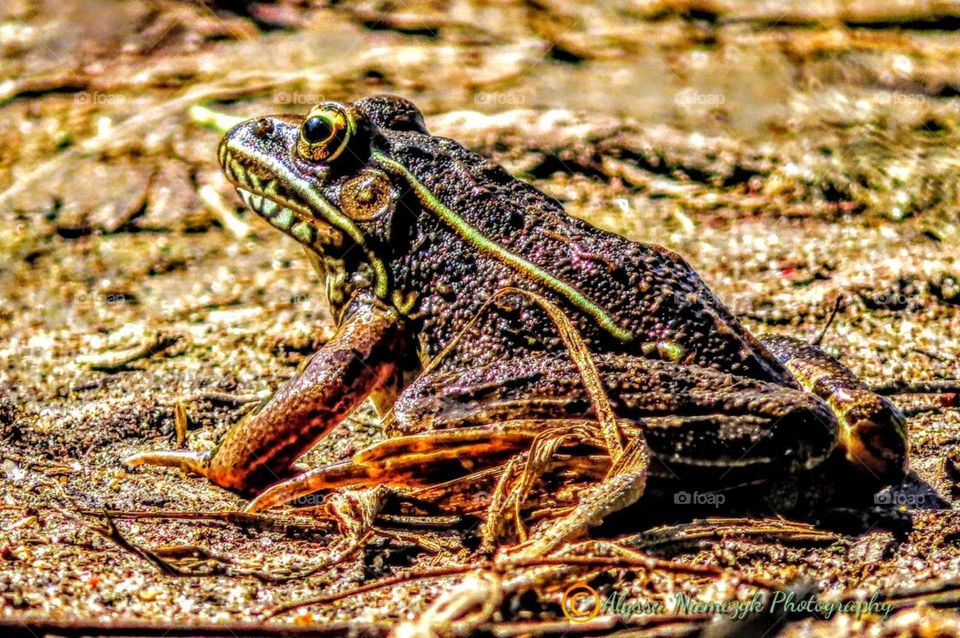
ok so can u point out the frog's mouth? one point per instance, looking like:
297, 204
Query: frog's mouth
271, 186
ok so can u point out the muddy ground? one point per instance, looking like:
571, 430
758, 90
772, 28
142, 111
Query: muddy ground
793, 152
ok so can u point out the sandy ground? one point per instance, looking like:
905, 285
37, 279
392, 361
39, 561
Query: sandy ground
793, 154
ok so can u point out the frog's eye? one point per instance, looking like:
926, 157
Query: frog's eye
367, 196
325, 133
317, 129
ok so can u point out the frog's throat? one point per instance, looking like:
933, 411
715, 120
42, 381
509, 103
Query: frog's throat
482, 243
291, 217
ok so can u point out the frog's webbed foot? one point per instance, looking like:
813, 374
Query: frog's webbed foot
356, 512
400, 461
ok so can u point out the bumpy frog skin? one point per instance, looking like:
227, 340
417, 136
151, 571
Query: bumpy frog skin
414, 235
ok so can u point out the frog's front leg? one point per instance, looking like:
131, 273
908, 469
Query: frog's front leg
872, 434
261, 448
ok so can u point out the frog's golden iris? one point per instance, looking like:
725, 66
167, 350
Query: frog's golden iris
325, 133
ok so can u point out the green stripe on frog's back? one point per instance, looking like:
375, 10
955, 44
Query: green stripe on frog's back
479, 241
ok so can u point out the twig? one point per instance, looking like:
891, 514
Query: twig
931, 354
159, 557
440, 572
242, 519
645, 563
421, 522
209, 196
118, 361
30, 628
52, 467
833, 314
224, 398
180, 423
941, 593
680, 624
941, 386
717, 528
112, 534
609, 562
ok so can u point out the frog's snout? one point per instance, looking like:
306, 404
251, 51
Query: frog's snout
257, 143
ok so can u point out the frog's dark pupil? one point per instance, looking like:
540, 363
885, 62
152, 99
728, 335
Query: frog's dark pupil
316, 129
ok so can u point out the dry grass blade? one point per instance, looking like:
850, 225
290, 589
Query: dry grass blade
180, 423
425, 574
240, 519
119, 361
575, 346
196, 561
32, 628
659, 625
713, 529
110, 532
937, 386
941, 593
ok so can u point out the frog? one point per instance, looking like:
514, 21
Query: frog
458, 292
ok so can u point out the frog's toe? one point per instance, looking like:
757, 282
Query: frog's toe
196, 462
300, 487
297, 488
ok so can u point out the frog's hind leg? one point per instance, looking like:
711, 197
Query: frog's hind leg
391, 470
394, 460
403, 461
872, 433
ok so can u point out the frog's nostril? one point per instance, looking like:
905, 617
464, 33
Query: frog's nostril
262, 127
